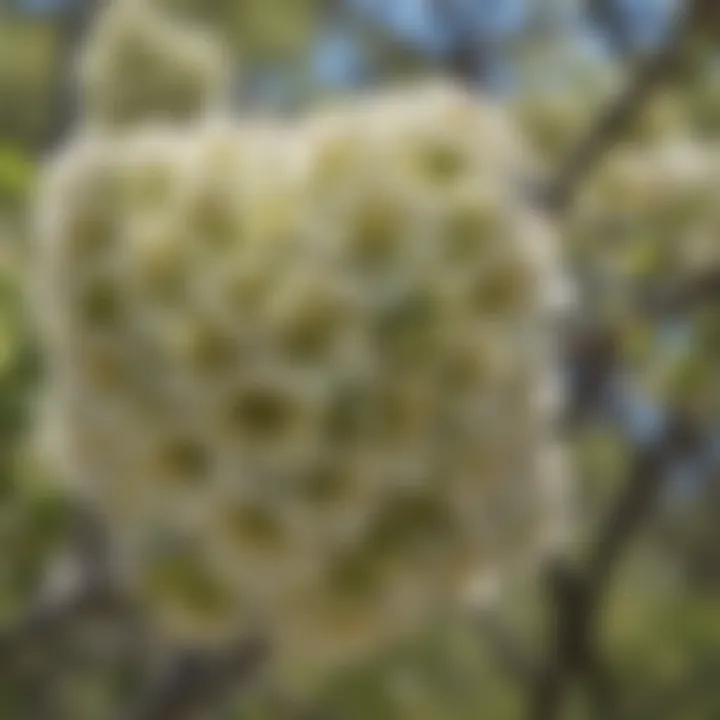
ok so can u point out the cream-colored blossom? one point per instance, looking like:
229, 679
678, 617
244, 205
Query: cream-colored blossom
306, 371
652, 210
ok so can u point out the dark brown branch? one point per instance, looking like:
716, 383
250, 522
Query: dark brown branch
200, 681
591, 359
47, 621
637, 500
655, 72
568, 642
682, 294
73, 24
609, 17
577, 595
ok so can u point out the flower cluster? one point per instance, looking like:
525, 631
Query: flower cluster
651, 212
141, 65
305, 370
648, 224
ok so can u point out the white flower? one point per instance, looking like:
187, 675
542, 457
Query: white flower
306, 370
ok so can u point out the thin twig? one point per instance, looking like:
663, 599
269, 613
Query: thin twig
200, 681
682, 294
46, 621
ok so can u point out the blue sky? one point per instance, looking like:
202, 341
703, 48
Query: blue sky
341, 60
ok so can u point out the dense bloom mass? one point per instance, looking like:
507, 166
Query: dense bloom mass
305, 370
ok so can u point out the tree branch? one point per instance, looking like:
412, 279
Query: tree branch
637, 499
652, 75
199, 681
577, 595
72, 26
683, 294
47, 621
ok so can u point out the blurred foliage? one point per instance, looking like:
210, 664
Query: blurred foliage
26, 63
17, 172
